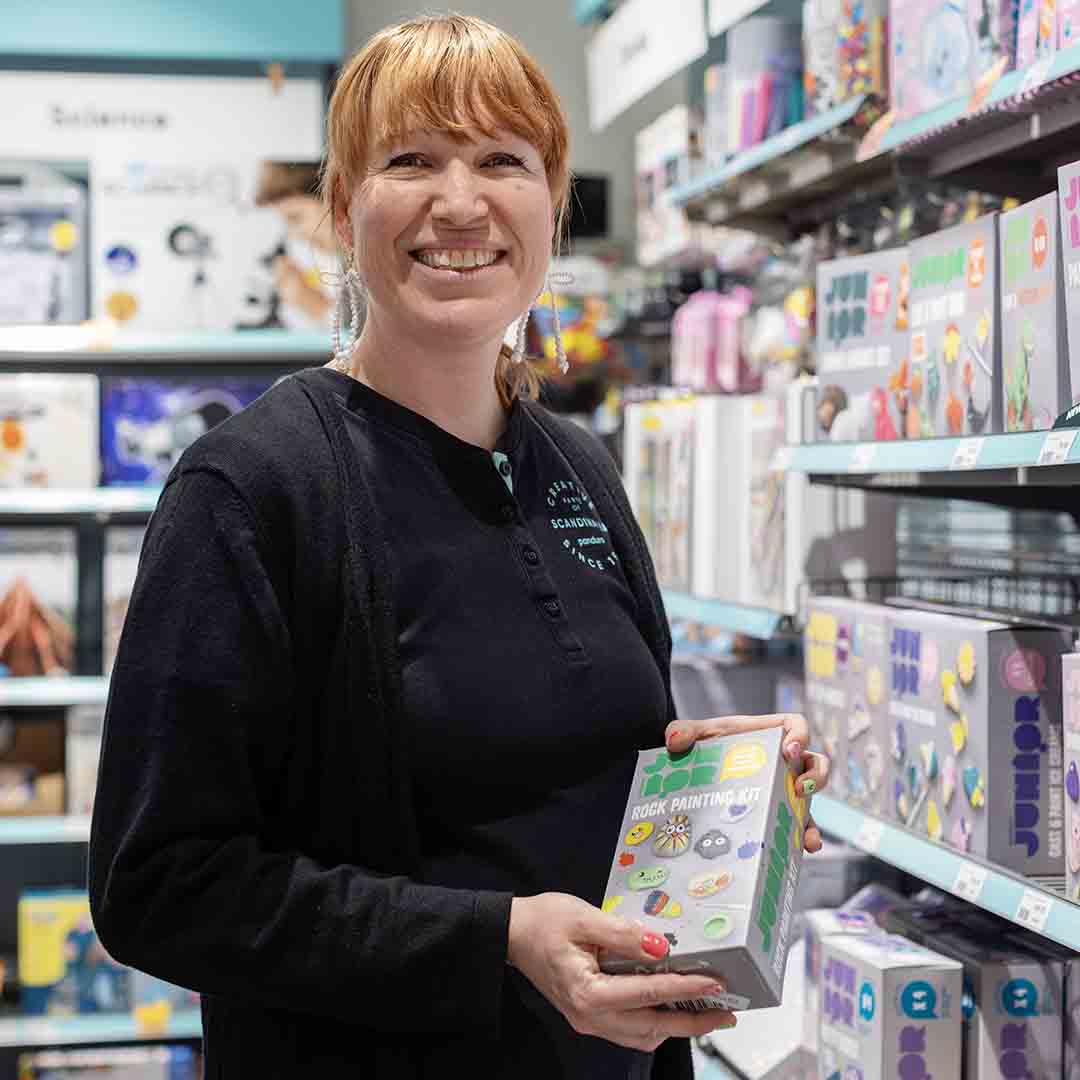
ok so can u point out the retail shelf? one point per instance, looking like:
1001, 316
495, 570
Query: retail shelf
75, 502
809, 160
60, 690
971, 461
92, 345
34, 1031
709, 1067
44, 830
736, 618
1017, 899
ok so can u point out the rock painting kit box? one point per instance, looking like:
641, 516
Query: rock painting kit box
708, 856
1069, 218
974, 715
847, 671
862, 343
888, 1008
953, 381
1034, 356
1070, 693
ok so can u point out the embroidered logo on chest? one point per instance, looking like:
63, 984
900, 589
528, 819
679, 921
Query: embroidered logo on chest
574, 519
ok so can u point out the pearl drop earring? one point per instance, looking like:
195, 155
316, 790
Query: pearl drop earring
351, 294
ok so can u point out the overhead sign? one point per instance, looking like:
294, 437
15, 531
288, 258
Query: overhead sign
641, 45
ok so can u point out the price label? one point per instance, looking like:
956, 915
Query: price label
966, 455
1036, 74
862, 457
969, 882
781, 459
868, 838
1034, 910
1056, 447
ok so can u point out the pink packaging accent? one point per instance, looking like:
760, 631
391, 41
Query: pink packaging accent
1027, 32
1068, 23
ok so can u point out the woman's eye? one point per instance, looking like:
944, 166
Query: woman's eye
511, 161
407, 161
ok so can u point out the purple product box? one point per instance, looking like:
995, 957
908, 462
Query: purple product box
862, 344
708, 855
975, 718
146, 424
955, 380
1070, 694
889, 1008
1034, 356
1069, 214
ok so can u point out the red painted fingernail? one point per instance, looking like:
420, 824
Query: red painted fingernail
654, 945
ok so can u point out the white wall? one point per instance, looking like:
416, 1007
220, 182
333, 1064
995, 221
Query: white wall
558, 45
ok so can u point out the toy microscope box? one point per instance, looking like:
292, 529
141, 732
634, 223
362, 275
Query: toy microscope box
888, 1008
846, 662
709, 855
975, 723
1070, 688
862, 342
954, 381
1034, 357
1069, 219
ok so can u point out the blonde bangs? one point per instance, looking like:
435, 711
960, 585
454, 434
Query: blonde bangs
453, 74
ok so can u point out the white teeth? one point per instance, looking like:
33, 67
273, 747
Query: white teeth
458, 260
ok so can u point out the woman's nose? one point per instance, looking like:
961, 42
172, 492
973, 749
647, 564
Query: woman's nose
459, 200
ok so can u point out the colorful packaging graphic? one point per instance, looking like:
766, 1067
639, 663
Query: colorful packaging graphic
820, 33
888, 1008
1069, 213
975, 721
709, 853
1033, 350
953, 383
1068, 23
862, 342
146, 424
48, 431
1070, 696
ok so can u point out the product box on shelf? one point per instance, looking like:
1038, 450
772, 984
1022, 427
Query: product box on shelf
821, 74
954, 376
863, 47
82, 753
110, 1063
50, 431
709, 853
888, 1008
975, 737
1013, 1008
1068, 23
1069, 215
717, 115
146, 424
766, 57
38, 598
123, 544
1070, 694
847, 663
658, 468
862, 342
63, 967
738, 527
32, 766
818, 924
1034, 356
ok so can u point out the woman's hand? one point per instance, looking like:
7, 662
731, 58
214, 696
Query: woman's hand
813, 768
554, 942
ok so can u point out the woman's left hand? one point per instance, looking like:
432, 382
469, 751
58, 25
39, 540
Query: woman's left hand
813, 768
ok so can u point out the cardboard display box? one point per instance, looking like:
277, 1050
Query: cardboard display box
709, 855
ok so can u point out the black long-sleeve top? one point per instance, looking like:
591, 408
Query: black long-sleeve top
256, 834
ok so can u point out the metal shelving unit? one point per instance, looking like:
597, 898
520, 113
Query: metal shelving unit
49, 692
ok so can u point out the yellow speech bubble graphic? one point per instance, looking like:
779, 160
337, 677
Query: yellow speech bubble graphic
743, 760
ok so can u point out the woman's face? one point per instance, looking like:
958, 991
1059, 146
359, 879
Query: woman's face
452, 240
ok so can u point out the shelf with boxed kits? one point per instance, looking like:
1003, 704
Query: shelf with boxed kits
52, 505
63, 829
90, 1030
53, 691
754, 622
1025, 901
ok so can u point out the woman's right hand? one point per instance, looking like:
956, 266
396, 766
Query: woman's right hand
555, 940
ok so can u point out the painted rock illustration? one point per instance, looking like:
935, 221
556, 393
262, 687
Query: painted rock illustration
948, 780
713, 844
659, 903
673, 838
1072, 782
708, 883
648, 877
974, 788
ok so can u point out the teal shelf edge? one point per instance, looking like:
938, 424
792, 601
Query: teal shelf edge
61, 690
44, 830
40, 1031
737, 618
1064, 63
970, 454
791, 138
1000, 892
108, 500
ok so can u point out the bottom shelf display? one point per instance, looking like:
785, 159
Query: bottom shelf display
1033, 904
40, 1031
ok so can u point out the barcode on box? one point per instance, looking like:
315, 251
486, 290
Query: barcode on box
1034, 910
969, 882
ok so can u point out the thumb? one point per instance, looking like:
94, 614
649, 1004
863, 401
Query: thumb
624, 937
